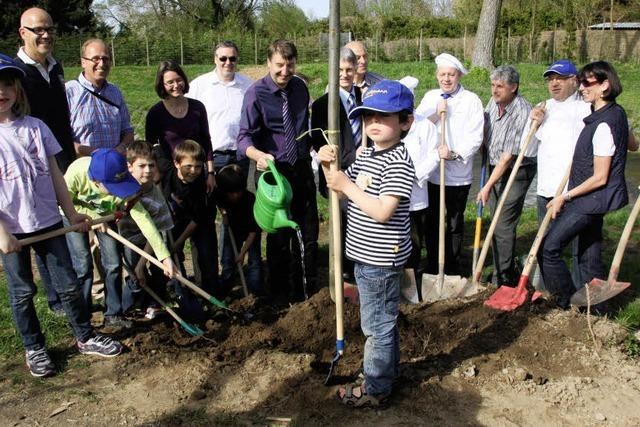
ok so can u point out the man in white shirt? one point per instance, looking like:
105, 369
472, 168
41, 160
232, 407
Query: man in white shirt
561, 124
464, 133
222, 91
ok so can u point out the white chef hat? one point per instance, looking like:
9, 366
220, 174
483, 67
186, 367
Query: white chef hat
448, 60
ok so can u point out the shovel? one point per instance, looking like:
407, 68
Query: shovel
75, 227
494, 221
476, 239
507, 298
234, 246
191, 329
204, 294
597, 291
435, 288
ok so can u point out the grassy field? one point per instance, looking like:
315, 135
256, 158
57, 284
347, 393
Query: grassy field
137, 86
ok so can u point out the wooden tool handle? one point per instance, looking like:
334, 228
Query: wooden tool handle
441, 212
622, 244
64, 230
336, 233
245, 291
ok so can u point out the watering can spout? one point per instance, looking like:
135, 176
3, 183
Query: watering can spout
273, 197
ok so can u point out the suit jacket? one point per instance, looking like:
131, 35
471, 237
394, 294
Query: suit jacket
320, 119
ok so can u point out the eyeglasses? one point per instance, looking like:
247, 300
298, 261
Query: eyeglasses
96, 59
39, 31
587, 83
231, 59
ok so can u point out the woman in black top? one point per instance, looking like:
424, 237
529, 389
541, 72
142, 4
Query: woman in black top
177, 118
596, 184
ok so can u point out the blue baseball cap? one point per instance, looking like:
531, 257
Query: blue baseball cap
109, 168
562, 67
386, 96
7, 63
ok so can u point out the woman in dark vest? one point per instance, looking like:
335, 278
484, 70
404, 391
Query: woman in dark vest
596, 184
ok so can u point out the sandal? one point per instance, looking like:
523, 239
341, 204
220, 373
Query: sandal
356, 396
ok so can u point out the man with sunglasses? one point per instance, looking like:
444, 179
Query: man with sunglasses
44, 86
560, 125
99, 115
222, 91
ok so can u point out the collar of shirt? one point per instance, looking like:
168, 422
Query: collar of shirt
86, 83
28, 60
344, 97
273, 87
215, 79
454, 93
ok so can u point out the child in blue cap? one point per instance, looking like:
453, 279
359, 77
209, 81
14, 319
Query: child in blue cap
378, 185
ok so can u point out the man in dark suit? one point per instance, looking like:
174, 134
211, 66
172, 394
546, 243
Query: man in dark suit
351, 131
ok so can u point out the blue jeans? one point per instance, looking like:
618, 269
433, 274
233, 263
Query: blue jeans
575, 270
55, 257
379, 289
111, 259
253, 273
569, 225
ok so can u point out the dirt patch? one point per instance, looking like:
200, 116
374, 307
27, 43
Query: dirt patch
462, 364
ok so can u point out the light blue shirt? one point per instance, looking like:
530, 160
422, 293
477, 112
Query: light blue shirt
94, 122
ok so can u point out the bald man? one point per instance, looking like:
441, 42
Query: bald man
44, 81
364, 78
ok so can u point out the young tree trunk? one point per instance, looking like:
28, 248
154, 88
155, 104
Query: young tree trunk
486, 34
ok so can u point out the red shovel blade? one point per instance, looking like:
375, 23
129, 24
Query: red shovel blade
507, 298
351, 293
599, 291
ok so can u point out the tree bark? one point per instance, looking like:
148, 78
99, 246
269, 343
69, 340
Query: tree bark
486, 34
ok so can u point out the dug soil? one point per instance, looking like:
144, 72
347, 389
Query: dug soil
462, 364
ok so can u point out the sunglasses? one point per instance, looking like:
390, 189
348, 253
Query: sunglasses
223, 59
39, 31
587, 83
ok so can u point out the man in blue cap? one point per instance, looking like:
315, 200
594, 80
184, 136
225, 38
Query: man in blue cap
378, 185
99, 185
560, 125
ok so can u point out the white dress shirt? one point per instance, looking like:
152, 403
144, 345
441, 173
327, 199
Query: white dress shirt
464, 132
223, 101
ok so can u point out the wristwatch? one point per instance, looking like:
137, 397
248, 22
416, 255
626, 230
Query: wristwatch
211, 173
453, 155
567, 197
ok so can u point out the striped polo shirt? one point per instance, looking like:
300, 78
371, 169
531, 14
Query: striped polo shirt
379, 173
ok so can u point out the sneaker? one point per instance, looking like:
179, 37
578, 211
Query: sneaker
39, 363
152, 313
100, 345
117, 322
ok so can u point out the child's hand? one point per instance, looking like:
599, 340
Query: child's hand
327, 154
9, 243
337, 180
77, 218
141, 274
170, 269
240, 258
102, 228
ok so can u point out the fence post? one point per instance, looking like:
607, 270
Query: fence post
255, 47
464, 43
146, 43
553, 43
376, 45
181, 51
113, 51
508, 43
420, 46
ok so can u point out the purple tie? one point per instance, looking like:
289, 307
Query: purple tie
290, 145
446, 95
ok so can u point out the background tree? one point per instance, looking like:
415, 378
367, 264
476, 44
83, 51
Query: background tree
486, 34
70, 16
279, 18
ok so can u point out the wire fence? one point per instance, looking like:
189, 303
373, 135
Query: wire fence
197, 48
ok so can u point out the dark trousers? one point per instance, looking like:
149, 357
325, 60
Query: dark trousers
283, 249
455, 203
132, 292
567, 226
575, 269
503, 244
418, 231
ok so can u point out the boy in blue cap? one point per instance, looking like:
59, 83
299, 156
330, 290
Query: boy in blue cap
100, 185
378, 185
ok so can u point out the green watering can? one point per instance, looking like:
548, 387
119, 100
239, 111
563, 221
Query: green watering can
273, 197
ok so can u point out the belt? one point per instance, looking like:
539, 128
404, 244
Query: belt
224, 152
